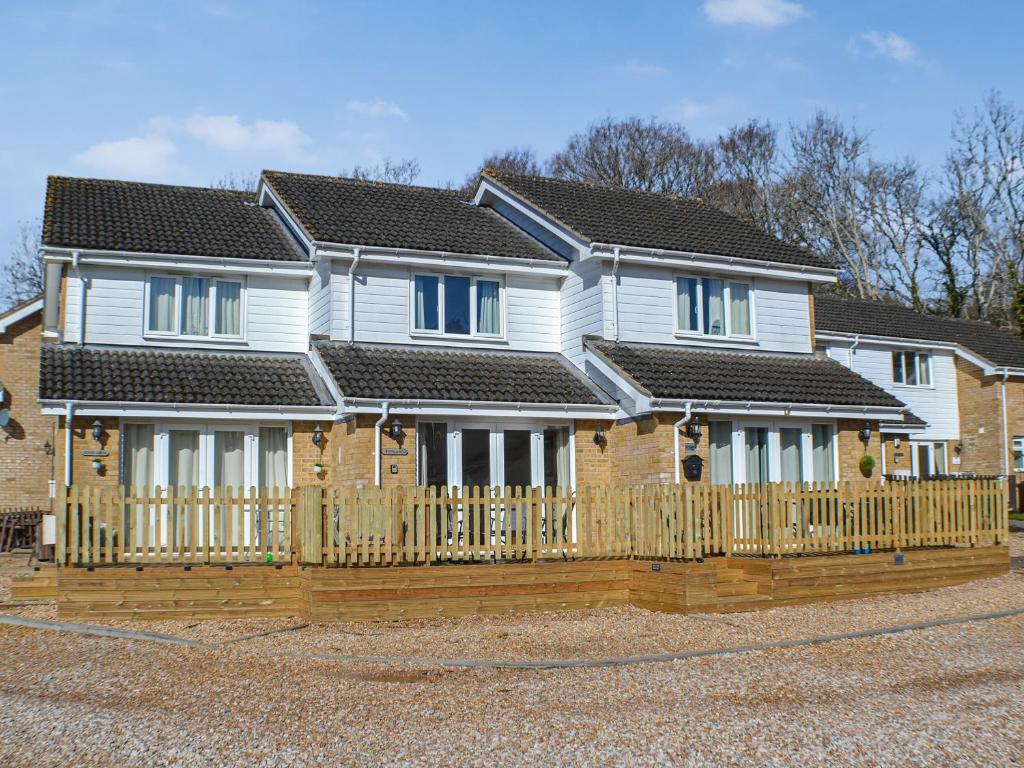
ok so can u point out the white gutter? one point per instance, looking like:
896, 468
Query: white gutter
479, 408
356, 255
68, 414
385, 407
196, 410
687, 415
387, 254
615, 291
1006, 437
76, 258
54, 255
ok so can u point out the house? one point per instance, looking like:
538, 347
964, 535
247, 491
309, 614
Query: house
538, 332
963, 382
26, 435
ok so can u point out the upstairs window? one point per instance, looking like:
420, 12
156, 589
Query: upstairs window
711, 306
913, 369
196, 307
457, 305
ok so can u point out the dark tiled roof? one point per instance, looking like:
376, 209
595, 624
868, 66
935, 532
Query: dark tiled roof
686, 374
402, 373
650, 220
354, 212
877, 319
135, 376
158, 218
909, 420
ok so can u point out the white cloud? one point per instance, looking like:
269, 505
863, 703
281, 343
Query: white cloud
376, 108
758, 13
642, 69
890, 44
228, 132
137, 157
689, 110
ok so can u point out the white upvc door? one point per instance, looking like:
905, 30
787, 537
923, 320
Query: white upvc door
766, 450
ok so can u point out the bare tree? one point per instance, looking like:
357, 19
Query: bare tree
391, 171
22, 277
650, 155
242, 182
517, 161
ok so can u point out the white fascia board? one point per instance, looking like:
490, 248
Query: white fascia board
20, 314
902, 429
988, 368
190, 410
325, 376
711, 263
435, 259
742, 408
489, 189
296, 269
641, 398
269, 199
480, 409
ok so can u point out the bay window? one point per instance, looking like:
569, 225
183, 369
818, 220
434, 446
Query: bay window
196, 307
711, 306
913, 369
456, 305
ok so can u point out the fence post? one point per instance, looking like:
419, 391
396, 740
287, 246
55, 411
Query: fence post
61, 508
308, 525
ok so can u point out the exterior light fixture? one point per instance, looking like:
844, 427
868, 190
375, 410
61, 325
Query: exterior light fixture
959, 448
47, 448
318, 436
600, 438
865, 432
395, 430
97, 430
97, 464
693, 429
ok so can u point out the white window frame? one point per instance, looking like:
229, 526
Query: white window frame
212, 302
727, 298
1017, 446
473, 332
922, 362
739, 458
915, 463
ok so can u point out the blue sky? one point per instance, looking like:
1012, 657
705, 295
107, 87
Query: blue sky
185, 92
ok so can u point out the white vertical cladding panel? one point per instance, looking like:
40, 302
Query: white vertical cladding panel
339, 300
937, 404
647, 306
320, 298
582, 302
276, 311
382, 310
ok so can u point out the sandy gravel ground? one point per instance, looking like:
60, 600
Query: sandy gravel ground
946, 696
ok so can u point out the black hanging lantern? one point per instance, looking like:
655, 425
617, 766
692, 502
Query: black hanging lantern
318, 436
97, 430
693, 429
865, 433
395, 430
600, 438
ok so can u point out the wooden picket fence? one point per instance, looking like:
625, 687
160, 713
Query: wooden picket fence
351, 526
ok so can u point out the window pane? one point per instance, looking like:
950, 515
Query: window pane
488, 307
792, 458
686, 304
183, 462
476, 457
273, 458
757, 454
556, 457
138, 455
720, 436
824, 460
909, 368
426, 318
714, 306
739, 300
195, 306
229, 308
161, 304
456, 304
432, 454
229, 460
939, 458
517, 458
897, 367
924, 369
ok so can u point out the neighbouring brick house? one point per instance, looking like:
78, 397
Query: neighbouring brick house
535, 332
27, 439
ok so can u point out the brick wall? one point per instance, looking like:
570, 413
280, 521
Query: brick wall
850, 449
82, 472
25, 469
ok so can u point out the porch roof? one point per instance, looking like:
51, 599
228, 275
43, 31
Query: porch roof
393, 372
674, 373
103, 374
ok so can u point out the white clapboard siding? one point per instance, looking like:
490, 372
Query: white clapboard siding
937, 404
320, 298
277, 318
647, 306
582, 308
382, 311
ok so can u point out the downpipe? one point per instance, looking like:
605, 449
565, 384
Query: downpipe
357, 254
385, 408
687, 415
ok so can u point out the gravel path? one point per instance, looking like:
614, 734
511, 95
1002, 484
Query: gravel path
944, 696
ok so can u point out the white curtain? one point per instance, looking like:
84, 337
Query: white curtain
229, 460
714, 307
686, 303
924, 369
426, 303
273, 458
739, 306
138, 456
161, 304
821, 452
939, 458
488, 308
229, 308
183, 467
720, 436
757, 454
195, 306
792, 455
